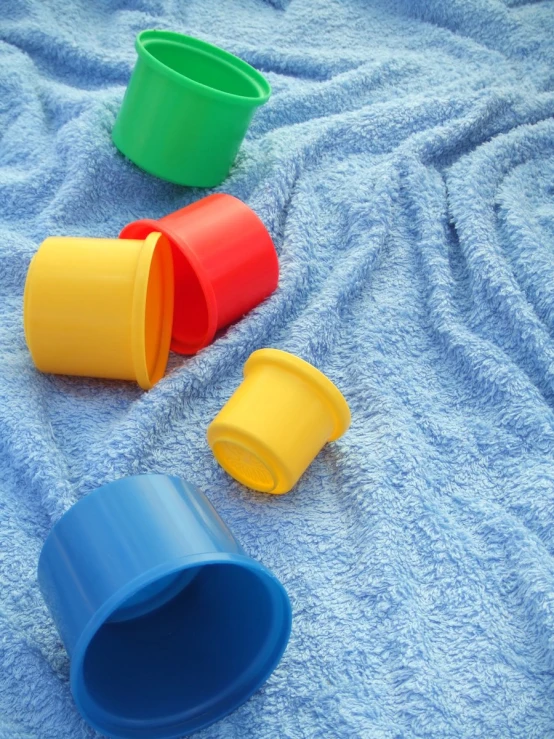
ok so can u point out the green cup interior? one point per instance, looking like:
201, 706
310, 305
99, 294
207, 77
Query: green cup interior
198, 64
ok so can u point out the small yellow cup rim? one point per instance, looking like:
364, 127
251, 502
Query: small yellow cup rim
327, 390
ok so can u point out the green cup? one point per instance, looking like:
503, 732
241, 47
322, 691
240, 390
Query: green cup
187, 108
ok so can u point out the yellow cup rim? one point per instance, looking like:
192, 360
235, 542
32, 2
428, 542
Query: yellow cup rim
153, 242
327, 390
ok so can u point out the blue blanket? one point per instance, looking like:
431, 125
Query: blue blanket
405, 168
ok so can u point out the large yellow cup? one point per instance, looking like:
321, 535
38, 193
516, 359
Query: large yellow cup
101, 307
277, 421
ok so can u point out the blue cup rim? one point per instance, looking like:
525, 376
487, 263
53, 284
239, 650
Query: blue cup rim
101, 719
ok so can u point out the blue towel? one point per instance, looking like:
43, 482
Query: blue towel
405, 168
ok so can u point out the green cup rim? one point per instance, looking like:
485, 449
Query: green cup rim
204, 47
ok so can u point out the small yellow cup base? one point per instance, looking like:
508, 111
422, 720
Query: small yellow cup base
245, 466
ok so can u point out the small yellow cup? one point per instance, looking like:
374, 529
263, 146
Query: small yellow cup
277, 421
101, 307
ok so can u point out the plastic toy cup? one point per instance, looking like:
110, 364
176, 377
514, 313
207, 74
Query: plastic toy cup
101, 307
224, 261
168, 624
187, 108
277, 421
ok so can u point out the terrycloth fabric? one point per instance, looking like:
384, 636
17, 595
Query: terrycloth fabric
405, 168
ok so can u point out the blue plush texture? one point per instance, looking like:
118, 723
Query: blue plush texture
405, 168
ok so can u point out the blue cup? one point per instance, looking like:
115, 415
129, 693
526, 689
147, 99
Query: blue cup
168, 624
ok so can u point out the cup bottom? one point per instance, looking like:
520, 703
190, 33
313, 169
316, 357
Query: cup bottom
245, 466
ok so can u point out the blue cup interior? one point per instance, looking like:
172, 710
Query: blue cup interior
183, 652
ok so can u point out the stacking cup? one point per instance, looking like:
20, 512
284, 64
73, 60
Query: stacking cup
101, 307
168, 624
277, 421
187, 108
224, 262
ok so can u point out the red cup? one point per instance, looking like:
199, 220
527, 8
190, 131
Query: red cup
225, 264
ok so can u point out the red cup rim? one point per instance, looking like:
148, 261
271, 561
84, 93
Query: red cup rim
140, 230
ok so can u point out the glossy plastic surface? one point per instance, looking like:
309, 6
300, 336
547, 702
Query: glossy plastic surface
277, 421
224, 262
187, 108
168, 624
101, 307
